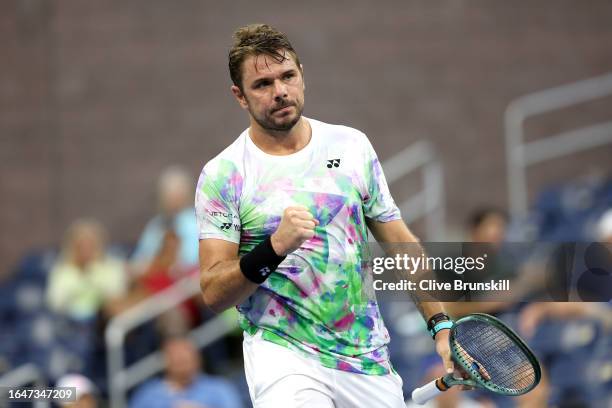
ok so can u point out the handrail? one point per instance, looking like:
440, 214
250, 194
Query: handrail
122, 378
202, 336
521, 154
24, 375
428, 203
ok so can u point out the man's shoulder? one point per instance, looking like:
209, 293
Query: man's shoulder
206, 380
152, 388
346, 133
216, 386
229, 159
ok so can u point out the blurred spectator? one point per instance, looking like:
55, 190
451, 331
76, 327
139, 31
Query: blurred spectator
162, 272
535, 313
86, 392
84, 278
488, 225
532, 315
176, 212
183, 385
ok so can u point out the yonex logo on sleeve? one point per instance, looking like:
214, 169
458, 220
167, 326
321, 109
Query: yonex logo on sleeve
333, 163
228, 225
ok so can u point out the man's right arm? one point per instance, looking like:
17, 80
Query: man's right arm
223, 281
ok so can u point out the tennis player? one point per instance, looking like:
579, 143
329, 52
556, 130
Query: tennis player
283, 214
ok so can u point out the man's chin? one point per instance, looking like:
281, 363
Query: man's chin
285, 123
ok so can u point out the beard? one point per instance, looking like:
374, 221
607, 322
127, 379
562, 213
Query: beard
284, 123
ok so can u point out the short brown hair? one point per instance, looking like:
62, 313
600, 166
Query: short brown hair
257, 39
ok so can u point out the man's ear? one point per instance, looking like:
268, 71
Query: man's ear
303, 79
239, 97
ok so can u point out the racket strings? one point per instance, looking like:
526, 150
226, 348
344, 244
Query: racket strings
489, 352
499, 353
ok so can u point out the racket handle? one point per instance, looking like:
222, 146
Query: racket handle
423, 394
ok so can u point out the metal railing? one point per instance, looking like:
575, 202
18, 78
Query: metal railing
520, 154
429, 202
25, 375
122, 377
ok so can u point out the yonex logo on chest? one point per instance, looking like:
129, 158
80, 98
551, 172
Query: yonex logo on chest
333, 163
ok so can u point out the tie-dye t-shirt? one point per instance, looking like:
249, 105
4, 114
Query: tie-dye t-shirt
320, 299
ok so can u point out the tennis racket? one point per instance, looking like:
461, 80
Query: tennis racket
493, 356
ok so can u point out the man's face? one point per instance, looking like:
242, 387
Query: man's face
182, 361
86, 246
492, 230
272, 92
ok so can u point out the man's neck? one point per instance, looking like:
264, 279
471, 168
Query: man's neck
279, 143
178, 386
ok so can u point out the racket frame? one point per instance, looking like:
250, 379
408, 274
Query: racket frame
476, 379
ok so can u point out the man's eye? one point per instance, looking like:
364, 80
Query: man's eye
289, 76
262, 84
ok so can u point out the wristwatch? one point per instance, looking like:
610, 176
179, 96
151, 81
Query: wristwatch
437, 322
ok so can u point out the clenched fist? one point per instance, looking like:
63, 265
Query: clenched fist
296, 226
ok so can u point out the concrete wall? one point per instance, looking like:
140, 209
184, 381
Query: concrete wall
97, 97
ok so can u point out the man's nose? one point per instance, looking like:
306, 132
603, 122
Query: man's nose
280, 90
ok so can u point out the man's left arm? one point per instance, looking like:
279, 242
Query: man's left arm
396, 232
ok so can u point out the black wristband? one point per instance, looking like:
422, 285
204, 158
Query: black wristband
435, 319
258, 264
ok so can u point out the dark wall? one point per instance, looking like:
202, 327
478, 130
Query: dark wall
97, 97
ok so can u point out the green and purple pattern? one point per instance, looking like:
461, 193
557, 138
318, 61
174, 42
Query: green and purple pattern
317, 301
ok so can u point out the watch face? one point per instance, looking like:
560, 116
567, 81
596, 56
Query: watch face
436, 319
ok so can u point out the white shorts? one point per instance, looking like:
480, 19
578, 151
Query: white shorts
280, 377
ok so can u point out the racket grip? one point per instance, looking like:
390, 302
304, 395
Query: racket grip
423, 394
